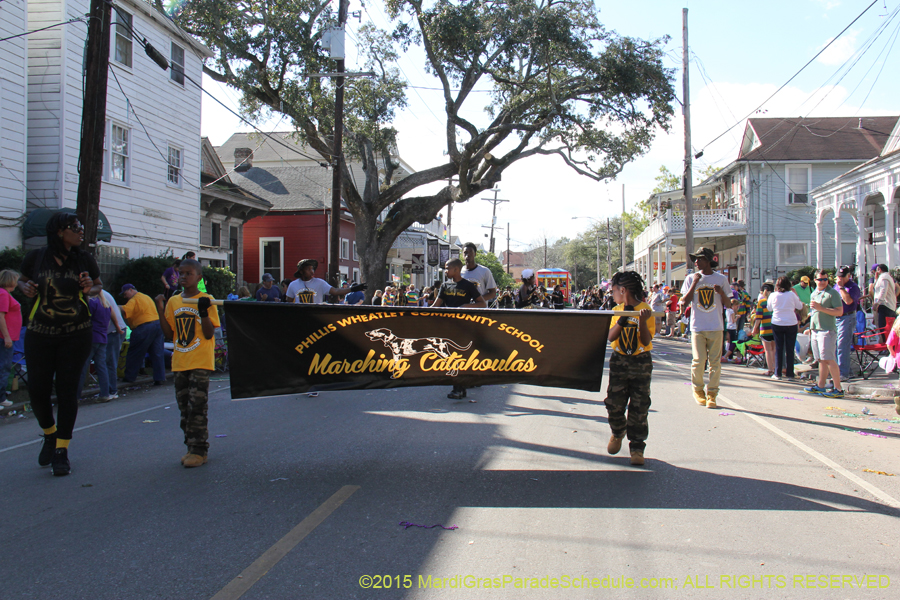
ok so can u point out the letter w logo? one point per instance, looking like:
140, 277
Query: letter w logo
628, 340
706, 297
184, 329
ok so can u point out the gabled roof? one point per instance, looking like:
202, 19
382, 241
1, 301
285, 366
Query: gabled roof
288, 188
812, 139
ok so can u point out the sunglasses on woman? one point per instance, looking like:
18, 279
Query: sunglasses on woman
76, 227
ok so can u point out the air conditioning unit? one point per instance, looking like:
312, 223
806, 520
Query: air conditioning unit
798, 198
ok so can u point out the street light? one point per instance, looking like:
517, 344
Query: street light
598, 244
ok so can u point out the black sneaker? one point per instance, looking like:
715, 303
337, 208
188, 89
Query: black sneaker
46, 455
61, 462
457, 394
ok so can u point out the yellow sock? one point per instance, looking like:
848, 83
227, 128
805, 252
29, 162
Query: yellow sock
60, 443
50, 430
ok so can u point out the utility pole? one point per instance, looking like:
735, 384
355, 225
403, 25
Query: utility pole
608, 252
507, 249
494, 201
545, 252
334, 269
688, 184
598, 255
623, 227
90, 168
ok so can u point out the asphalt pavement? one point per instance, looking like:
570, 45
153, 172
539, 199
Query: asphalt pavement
766, 497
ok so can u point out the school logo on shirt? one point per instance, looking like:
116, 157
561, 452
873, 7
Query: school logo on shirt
186, 338
306, 296
706, 298
628, 339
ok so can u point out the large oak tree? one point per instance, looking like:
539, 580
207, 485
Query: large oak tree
561, 85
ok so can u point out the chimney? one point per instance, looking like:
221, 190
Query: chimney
243, 159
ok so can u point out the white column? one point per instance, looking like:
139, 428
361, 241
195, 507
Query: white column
668, 262
659, 262
861, 244
890, 210
820, 252
837, 241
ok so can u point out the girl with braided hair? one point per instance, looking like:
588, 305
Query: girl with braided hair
630, 367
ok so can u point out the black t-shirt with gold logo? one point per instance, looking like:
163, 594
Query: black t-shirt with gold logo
60, 308
458, 293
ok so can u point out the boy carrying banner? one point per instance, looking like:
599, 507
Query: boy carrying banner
630, 367
192, 328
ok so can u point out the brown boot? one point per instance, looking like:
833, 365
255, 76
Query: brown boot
193, 460
700, 396
897, 404
614, 445
711, 400
637, 457
184, 457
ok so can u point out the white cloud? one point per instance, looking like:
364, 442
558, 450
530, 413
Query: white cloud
840, 51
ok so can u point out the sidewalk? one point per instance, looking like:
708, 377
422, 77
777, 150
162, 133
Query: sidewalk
22, 404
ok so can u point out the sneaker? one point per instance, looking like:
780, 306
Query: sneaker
193, 460
46, 455
700, 397
637, 457
6, 403
845, 378
457, 394
157, 383
614, 445
61, 462
834, 393
102, 400
113, 396
776, 377
814, 389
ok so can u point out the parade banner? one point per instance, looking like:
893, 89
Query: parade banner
445, 254
433, 252
276, 349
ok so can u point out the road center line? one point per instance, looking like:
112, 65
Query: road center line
138, 412
875, 491
249, 576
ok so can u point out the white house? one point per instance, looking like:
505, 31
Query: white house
13, 21
151, 172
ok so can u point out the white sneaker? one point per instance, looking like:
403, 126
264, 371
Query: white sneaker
6, 404
113, 396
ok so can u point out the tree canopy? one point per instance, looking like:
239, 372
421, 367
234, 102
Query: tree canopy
561, 84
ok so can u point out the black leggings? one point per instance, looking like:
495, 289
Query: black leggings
63, 357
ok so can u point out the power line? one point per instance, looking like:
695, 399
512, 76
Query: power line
24, 33
828, 45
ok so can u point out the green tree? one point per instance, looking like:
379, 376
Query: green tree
561, 84
666, 180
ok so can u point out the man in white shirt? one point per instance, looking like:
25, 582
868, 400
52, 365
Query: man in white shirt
309, 289
707, 292
479, 275
885, 297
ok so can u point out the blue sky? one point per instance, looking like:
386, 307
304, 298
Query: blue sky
741, 53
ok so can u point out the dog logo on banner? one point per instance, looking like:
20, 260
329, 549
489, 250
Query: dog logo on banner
406, 347
706, 298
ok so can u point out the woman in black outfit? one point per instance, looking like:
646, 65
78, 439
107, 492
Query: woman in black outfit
58, 276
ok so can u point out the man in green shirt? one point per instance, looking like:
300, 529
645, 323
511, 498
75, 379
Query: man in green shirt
826, 306
804, 291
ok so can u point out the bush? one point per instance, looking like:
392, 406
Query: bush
219, 281
144, 273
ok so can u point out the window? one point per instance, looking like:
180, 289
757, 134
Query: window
271, 257
345, 249
216, 237
233, 249
175, 166
117, 154
176, 64
798, 183
124, 21
355, 276
355, 254
793, 254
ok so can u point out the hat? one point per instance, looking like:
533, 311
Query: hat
268, 277
879, 266
527, 274
805, 279
303, 263
666, 288
706, 253
126, 287
844, 271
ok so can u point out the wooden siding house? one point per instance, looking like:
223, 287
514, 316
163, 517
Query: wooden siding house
13, 21
151, 176
757, 213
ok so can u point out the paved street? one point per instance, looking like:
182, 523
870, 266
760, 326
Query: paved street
762, 498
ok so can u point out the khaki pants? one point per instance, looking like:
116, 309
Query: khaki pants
706, 346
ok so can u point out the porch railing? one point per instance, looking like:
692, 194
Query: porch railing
727, 219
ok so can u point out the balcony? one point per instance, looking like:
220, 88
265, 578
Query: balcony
707, 223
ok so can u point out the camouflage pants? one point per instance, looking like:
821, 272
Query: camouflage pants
192, 394
629, 387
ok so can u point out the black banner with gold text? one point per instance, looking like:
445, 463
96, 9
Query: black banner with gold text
276, 349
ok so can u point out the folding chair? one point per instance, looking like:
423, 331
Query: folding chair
869, 347
753, 352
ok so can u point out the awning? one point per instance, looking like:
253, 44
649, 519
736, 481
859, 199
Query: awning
35, 224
